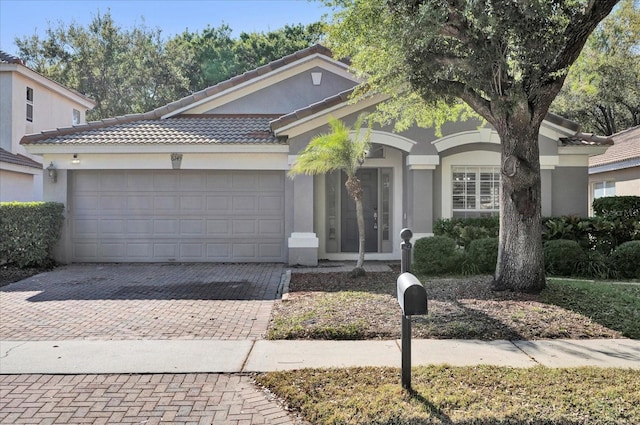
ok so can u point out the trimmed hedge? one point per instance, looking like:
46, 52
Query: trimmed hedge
627, 207
436, 255
29, 231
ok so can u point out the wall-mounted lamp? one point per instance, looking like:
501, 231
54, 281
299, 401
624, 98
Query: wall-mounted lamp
75, 159
176, 160
52, 172
316, 78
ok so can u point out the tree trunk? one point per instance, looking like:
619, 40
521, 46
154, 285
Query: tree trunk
354, 189
360, 218
520, 265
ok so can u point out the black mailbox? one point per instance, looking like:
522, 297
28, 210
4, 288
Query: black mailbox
412, 296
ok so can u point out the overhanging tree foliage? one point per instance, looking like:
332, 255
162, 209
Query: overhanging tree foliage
602, 90
507, 60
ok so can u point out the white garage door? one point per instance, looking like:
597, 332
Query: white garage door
177, 215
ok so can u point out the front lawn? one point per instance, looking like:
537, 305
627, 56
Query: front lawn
460, 395
333, 306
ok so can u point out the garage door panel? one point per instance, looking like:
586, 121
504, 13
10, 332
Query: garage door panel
192, 227
218, 227
165, 227
165, 181
139, 227
139, 250
165, 250
219, 203
191, 203
192, 181
271, 182
139, 204
86, 203
270, 227
114, 182
177, 215
112, 227
140, 181
219, 181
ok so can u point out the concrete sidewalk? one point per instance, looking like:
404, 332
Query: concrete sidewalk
223, 356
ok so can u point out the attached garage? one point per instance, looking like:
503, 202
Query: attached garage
176, 215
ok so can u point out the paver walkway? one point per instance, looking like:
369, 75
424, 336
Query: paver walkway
135, 302
136, 399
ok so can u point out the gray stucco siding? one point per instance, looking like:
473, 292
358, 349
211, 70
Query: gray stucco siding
289, 95
570, 194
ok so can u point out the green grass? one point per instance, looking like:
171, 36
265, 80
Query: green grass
616, 306
461, 395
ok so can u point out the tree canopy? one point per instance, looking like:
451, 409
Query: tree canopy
132, 70
506, 60
602, 90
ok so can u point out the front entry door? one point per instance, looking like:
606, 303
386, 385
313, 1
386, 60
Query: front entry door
349, 240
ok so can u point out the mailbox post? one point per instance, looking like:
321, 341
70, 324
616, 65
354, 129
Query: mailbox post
412, 298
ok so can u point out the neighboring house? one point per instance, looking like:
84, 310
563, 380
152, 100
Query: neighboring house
205, 178
30, 103
617, 171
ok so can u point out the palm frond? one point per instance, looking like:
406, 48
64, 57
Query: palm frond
334, 151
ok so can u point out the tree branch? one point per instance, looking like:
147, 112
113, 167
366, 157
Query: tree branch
577, 32
478, 103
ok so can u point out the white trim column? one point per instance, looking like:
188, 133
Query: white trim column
303, 242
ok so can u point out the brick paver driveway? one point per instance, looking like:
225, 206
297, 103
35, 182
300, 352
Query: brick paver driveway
139, 301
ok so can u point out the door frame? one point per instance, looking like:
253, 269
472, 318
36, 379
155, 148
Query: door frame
393, 160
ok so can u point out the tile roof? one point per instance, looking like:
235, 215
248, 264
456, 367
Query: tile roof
586, 139
18, 159
7, 58
185, 101
193, 129
312, 109
626, 147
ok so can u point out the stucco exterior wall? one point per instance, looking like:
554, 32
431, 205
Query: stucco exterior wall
288, 95
6, 105
15, 186
569, 194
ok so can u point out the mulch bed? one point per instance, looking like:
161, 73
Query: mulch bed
334, 306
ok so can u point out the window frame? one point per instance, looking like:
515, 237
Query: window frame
29, 104
471, 193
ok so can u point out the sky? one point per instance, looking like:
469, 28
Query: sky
20, 18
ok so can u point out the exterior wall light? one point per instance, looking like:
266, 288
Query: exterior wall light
75, 159
52, 173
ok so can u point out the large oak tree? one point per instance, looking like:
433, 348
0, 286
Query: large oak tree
505, 59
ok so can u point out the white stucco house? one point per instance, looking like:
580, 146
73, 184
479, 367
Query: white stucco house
205, 178
30, 103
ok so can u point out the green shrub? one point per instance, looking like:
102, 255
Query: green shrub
484, 254
625, 260
465, 230
436, 255
595, 233
29, 231
617, 206
594, 264
562, 256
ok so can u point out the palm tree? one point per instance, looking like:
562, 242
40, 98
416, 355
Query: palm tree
337, 151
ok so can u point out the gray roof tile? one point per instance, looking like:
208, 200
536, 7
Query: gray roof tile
189, 129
